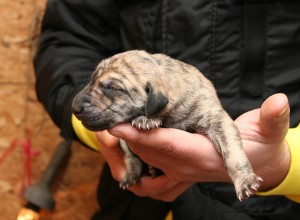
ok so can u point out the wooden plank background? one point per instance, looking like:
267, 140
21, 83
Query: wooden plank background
23, 118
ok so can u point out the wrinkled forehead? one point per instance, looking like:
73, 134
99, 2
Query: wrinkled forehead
123, 67
101, 68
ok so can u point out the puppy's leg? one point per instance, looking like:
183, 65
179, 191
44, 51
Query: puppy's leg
226, 138
133, 165
142, 122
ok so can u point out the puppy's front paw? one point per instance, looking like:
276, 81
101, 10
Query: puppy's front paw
142, 122
247, 186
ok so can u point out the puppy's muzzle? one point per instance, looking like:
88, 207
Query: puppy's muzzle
81, 105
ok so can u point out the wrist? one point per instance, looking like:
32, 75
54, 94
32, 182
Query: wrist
289, 185
86, 136
277, 169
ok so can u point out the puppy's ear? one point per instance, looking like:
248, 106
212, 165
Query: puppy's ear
156, 101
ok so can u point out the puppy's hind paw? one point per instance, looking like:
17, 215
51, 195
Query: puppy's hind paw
142, 122
128, 180
247, 186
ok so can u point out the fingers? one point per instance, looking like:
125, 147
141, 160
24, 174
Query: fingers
274, 120
164, 141
107, 140
275, 115
131, 134
171, 148
161, 188
109, 147
146, 144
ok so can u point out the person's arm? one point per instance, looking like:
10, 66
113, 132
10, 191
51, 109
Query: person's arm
289, 186
75, 36
188, 158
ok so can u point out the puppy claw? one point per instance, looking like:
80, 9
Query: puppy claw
122, 186
240, 198
142, 122
259, 179
255, 187
247, 186
129, 179
247, 193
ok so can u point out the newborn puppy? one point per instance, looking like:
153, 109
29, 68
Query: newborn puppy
155, 90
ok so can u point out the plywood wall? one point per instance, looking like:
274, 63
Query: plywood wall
23, 118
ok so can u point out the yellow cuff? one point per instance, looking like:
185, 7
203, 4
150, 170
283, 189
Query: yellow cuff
86, 136
169, 216
290, 185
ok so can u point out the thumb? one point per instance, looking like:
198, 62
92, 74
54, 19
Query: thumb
107, 140
124, 131
275, 116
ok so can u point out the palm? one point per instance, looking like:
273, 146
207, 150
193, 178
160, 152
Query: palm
263, 132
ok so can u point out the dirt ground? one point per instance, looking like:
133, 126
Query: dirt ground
24, 121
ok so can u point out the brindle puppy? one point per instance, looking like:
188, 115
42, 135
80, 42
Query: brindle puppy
155, 90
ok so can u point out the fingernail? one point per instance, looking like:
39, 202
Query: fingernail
283, 118
284, 111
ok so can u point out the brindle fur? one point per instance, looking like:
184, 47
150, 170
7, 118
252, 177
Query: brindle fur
156, 90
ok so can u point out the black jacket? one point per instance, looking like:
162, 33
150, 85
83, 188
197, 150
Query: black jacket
248, 49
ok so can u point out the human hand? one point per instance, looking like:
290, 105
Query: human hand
263, 134
160, 187
111, 151
188, 158
179, 154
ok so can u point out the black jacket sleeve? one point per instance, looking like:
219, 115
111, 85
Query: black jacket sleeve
75, 36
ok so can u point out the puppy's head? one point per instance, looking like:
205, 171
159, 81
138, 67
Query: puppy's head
121, 88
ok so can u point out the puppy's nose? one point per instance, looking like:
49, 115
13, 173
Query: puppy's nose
80, 102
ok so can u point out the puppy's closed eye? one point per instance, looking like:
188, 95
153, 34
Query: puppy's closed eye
107, 84
110, 88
